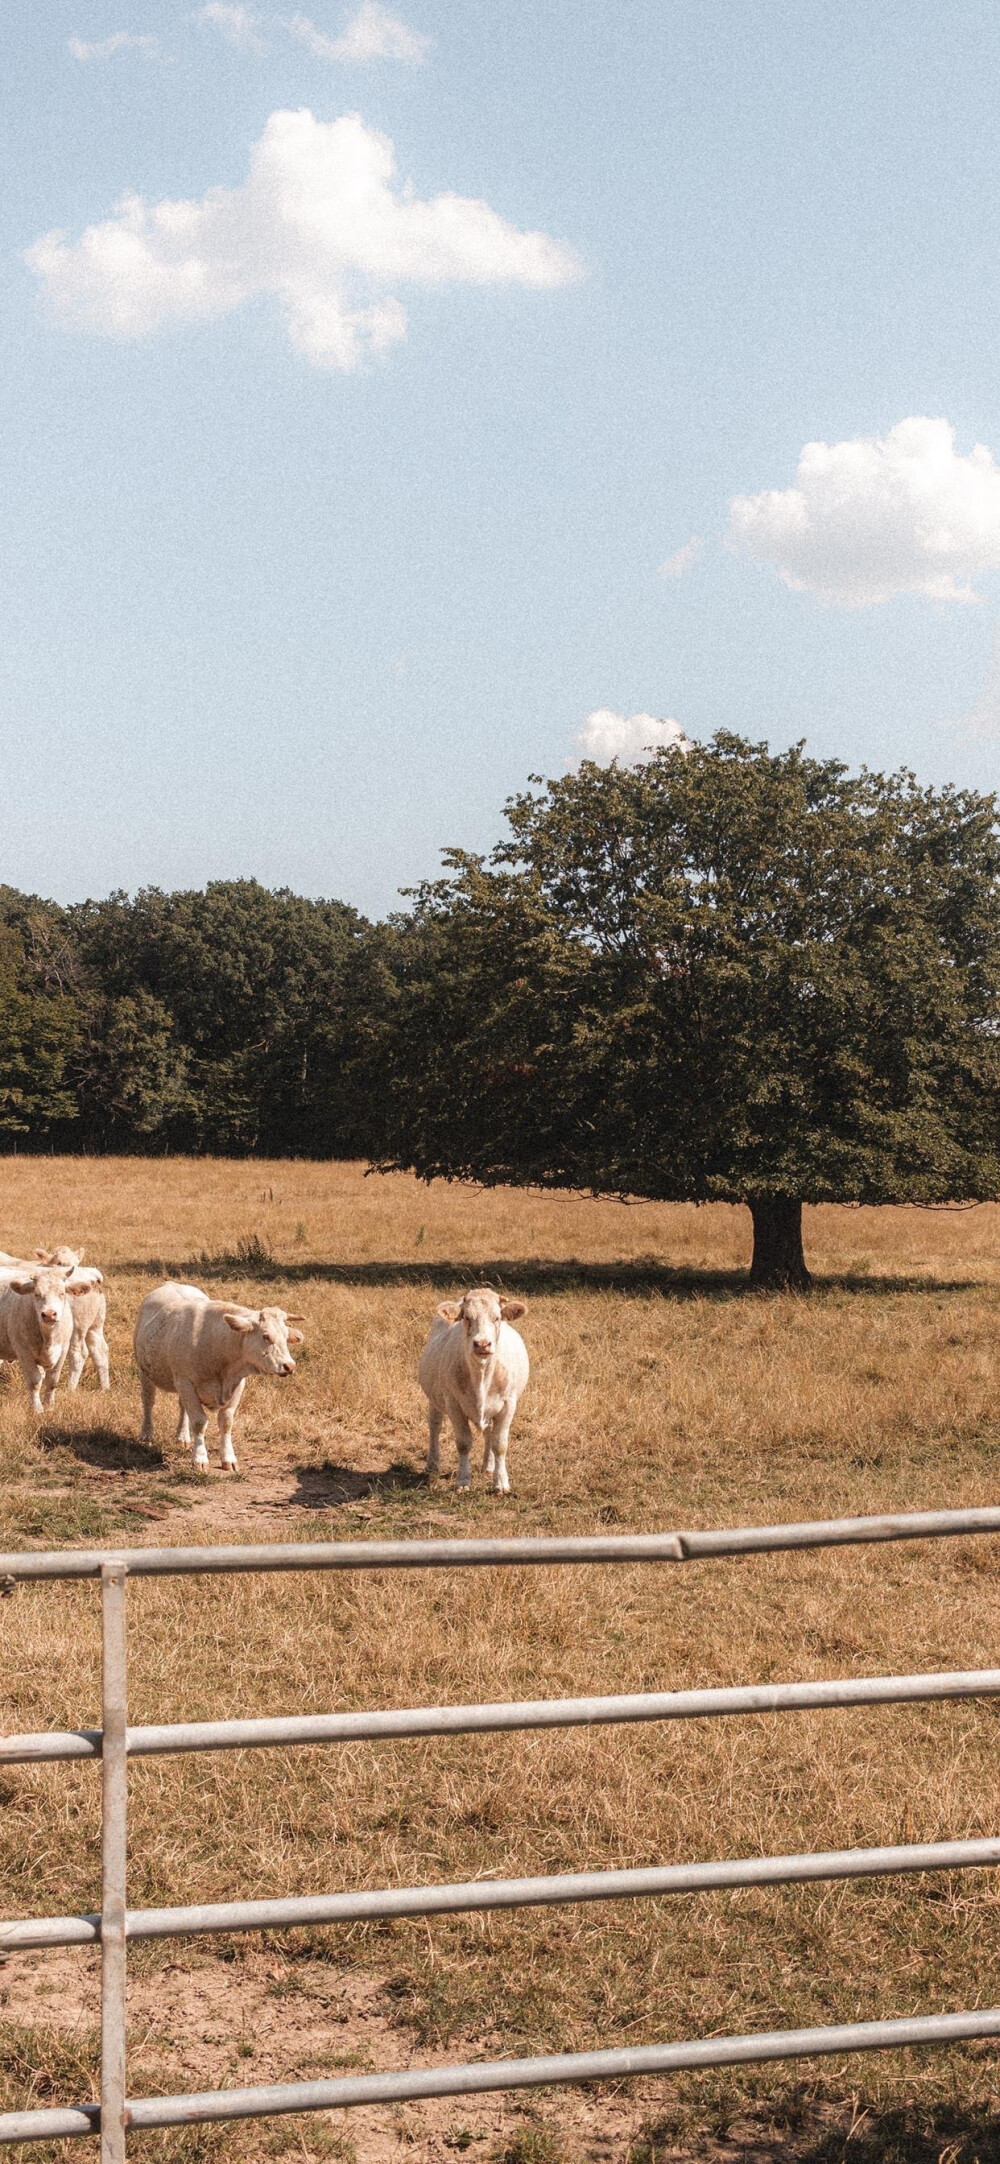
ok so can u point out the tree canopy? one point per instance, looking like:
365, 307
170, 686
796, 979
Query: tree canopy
725, 974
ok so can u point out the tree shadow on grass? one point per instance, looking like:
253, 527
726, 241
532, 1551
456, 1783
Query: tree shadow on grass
108, 1449
328, 1487
643, 1277
943, 2133
912, 2134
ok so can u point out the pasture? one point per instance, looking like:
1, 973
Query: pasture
661, 1395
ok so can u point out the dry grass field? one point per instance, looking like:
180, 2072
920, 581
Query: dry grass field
662, 1395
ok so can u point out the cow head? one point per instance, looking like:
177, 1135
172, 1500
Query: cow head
50, 1292
266, 1338
69, 1260
481, 1314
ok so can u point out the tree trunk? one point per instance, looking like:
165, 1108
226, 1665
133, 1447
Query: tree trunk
778, 1262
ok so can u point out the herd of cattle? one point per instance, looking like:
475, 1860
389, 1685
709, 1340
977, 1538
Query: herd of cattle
53, 1309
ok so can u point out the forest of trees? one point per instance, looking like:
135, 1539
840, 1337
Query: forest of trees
725, 974
233, 1021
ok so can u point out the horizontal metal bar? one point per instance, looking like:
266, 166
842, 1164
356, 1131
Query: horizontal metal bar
52, 2125
507, 1893
506, 2074
320, 1728
50, 1743
675, 1547
29, 1933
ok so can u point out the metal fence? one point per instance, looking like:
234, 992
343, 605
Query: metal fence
115, 1742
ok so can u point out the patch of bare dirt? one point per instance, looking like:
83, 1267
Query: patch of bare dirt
264, 1503
202, 2022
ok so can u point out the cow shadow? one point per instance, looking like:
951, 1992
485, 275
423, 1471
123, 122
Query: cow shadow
108, 1450
329, 1487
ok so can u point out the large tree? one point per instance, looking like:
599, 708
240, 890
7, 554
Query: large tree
723, 975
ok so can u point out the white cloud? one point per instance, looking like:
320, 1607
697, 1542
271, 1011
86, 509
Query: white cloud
321, 223
879, 516
629, 738
372, 34
239, 25
120, 41
682, 558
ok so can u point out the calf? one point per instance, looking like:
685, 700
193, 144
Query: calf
474, 1368
204, 1350
36, 1326
89, 1316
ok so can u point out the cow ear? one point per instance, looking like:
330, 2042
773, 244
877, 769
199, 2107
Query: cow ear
22, 1284
295, 1337
242, 1323
43, 1254
75, 1291
295, 1318
450, 1310
511, 1308
80, 1253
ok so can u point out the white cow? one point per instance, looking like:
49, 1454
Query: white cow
204, 1350
474, 1368
89, 1316
36, 1327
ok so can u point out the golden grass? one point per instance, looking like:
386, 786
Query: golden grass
661, 1395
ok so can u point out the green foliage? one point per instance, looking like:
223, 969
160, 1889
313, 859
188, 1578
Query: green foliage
728, 975
232, 1020
134, 1075
39, 1022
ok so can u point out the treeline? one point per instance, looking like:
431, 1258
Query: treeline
729, 975
232, 1021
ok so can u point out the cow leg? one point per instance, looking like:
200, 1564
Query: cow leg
464, 1440
34, 1376
227, 1414
435, 1422
97, 1346
499, 1432
76, 1361
148, 1389
488, 1449
193, 1413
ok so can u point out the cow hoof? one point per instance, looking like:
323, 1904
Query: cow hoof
229, 1465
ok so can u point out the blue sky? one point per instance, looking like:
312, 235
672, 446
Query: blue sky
324, 525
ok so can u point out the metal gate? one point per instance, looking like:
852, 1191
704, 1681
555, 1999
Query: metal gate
115, 1742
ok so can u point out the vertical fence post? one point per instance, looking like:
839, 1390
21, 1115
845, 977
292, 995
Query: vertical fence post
114, 1796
